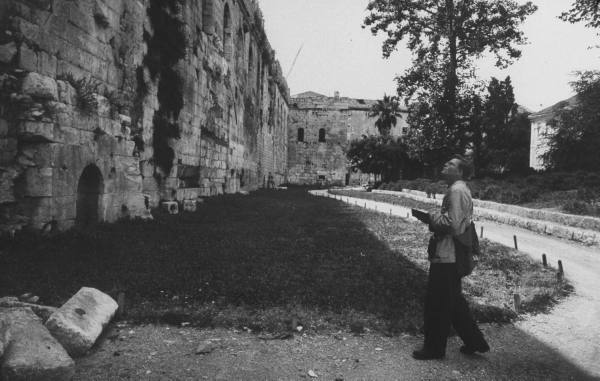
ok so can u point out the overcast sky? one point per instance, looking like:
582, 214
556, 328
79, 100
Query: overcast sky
338, 54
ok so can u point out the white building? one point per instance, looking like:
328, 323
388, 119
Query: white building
540, 129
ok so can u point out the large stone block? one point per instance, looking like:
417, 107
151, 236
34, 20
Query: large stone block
66, 93
38, 182
28, 59
40, 86
36, 131
43, 312
189, 205
171, 207
47, 64
79, 322
31, 353
8, 52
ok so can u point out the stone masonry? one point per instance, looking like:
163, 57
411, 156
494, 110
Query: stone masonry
320, 130
108, 107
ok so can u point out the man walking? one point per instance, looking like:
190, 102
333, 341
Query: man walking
445, 306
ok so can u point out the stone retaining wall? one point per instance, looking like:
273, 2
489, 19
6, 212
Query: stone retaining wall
585, 236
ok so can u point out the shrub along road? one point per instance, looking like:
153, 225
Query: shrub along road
572, 328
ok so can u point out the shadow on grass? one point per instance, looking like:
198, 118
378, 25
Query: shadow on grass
259, 261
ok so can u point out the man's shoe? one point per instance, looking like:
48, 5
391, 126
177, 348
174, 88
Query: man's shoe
468, 350
423, 354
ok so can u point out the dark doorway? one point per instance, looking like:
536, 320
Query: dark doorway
347, 182
89, 192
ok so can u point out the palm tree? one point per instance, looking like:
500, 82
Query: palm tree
387, 110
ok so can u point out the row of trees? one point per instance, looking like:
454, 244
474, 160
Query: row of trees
449, 109
496, 133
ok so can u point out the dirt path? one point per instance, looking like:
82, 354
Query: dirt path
163, 353
573, 327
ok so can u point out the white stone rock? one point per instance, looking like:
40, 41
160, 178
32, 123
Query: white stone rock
30, 351
171, 206
79, 322
40, 86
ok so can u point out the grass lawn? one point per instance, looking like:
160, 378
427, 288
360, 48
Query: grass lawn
261, 261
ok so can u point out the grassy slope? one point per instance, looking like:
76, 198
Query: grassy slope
255, 261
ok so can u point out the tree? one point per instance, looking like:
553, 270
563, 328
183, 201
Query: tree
445, 36
380, 155
587, 11
387, 110
500, 131
575, 138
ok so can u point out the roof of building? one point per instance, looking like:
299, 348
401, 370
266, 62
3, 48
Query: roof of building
550, 112
312, 100
309, 94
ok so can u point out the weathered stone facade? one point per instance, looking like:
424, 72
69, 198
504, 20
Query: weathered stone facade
109, 106
320, 131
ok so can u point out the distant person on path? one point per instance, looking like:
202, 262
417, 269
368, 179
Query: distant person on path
445, 305
270, 181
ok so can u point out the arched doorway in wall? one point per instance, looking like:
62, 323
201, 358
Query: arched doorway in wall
89, 196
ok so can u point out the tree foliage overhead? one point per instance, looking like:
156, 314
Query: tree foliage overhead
587, 11
575, 138
387, 112
445, 37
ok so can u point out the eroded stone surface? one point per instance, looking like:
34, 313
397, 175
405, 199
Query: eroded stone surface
79, 322
8, 52
90, 100
31, 353
40, 86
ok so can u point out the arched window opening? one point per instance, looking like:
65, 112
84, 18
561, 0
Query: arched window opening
227, 35
322, 135
208, 16
301, 134
89, 191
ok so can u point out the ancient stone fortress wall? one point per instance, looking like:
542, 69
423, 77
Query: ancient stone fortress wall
319, 134
109, 106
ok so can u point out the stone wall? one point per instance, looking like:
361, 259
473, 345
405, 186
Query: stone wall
314, 160
109, 106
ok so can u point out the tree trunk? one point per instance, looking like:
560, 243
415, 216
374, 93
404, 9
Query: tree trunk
451, 79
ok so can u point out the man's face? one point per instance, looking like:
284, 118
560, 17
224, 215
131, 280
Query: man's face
451, 170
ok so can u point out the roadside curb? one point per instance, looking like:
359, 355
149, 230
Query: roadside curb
586, 236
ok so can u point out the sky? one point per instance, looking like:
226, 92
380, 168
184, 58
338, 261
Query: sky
338, 55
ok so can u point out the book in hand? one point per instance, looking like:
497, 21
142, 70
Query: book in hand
421, 215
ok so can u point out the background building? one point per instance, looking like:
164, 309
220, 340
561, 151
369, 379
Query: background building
540, 129
320, 129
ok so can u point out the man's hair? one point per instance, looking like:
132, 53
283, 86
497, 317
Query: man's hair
465, 165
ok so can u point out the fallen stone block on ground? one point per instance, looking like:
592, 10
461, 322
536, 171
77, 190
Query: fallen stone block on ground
43, 312
30, 351
189, 205
171, 206
79, 322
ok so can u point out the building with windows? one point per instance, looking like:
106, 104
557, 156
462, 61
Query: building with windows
320, 129
540, 130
